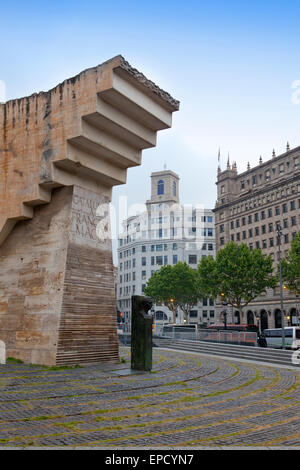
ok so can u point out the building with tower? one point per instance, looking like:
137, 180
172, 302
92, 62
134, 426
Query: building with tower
249, 207
165, 233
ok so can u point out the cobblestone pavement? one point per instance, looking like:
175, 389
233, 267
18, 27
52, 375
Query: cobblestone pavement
187, 400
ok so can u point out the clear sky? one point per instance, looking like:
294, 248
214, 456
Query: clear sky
232, 65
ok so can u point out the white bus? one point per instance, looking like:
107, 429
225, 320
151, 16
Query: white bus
292, 337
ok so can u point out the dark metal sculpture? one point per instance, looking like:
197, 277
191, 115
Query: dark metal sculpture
141, 333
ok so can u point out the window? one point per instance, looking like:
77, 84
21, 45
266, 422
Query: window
210, 247
238, 236
271, 242
143, 248
254, 180
204, 302
284, 208
293, 206
175, 247
249, 219
221, 228
143, 275
160, 187
193, 313
293, 220
264, 243
256, 231
256, 217
165, 259
270, 227
244, 221
263, 229
143, 261
285, 223
209, 232
237, 223
192, 259
281, 168
175, 259
277, 210
286, 238
232, 225
159, 248
244, 235
263, 215
174, 188
222, 241
250, 232
270, 213
159, 260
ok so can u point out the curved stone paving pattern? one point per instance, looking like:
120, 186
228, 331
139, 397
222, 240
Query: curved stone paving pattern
187, 400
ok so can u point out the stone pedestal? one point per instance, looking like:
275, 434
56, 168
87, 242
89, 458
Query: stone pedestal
57, 284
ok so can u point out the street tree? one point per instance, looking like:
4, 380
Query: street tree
176, 287
238, 275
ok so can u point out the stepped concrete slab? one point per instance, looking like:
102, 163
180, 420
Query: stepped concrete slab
61, 152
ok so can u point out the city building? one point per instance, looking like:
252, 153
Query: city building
165, 233
249, 207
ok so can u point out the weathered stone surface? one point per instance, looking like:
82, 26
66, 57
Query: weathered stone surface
60, 154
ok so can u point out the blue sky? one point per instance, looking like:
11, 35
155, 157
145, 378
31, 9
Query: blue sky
231, 64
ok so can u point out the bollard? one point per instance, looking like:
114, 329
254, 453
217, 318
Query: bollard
141, 333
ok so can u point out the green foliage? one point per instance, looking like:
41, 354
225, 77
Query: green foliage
175, 286
13, 360
291, 267
237, 272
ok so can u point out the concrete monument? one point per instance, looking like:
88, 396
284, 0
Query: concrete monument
61, 152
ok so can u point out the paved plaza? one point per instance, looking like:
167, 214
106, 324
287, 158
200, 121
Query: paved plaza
187, 400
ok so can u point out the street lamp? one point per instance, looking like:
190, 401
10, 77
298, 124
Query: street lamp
224, 311
279, 235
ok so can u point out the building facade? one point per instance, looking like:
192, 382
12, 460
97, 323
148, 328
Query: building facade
248, 209
165, 233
